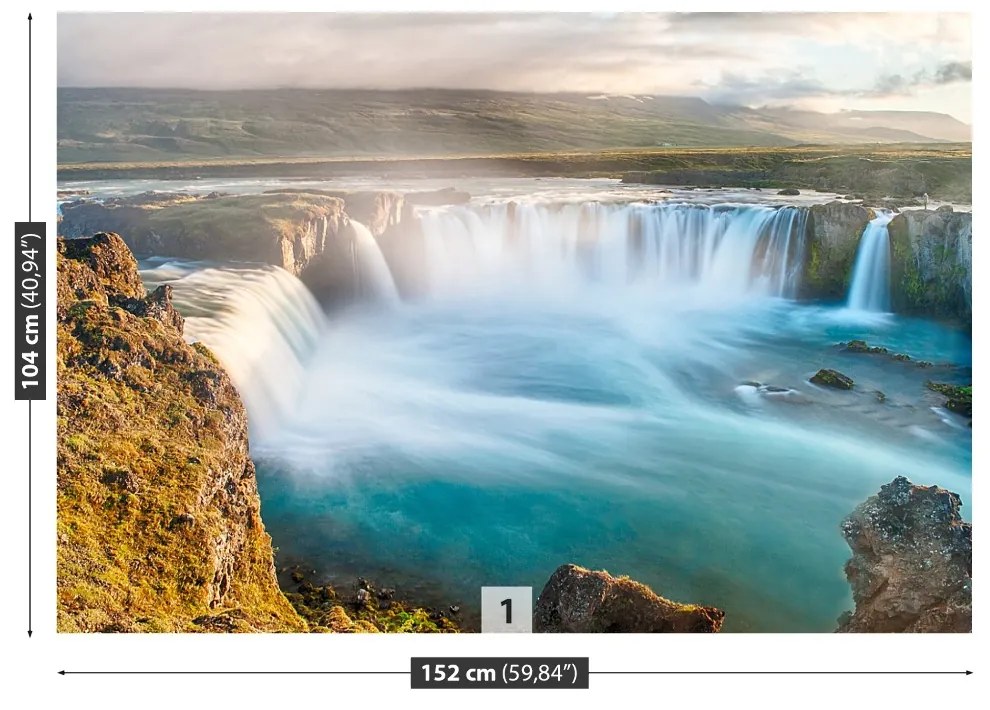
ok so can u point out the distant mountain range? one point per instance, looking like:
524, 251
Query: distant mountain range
133, 125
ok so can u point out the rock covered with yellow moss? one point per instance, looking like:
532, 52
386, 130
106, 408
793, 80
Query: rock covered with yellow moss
577, 600
159, 526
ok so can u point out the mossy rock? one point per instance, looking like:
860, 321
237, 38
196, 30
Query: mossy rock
833, 379
159, 525
958, 398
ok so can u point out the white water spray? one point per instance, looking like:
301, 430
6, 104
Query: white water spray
870, 286
263, 324
730, 250
374, 278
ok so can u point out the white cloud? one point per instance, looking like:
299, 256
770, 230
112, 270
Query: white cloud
750, 57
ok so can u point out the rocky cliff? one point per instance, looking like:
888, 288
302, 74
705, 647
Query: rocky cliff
912, 562
285, 229
931, 269
308, 232
577, 600
832, 239
158, 511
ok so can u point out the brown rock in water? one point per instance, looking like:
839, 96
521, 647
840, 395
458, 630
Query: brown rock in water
577, 600
911, 568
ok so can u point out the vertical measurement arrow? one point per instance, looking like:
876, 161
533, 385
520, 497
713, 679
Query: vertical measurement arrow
30, 546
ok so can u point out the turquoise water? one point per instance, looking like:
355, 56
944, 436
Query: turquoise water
576, 386
446, 446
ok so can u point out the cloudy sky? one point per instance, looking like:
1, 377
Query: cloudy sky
826, 61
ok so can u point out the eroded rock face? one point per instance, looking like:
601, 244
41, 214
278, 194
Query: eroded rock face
577, 600
834, 230
375, 210
159, 525
911, 568
931, 268
287, 229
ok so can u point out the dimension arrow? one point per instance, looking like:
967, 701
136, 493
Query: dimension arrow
781, 672
233, 672
591, 672
30, 527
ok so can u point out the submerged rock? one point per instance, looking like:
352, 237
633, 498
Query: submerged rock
833, 379
577, 600
911, 568
862, 347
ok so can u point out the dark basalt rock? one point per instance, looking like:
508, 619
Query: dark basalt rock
911, 568
789, 191
577, 600
833, 379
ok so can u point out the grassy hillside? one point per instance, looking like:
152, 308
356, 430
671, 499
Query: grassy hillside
141, 125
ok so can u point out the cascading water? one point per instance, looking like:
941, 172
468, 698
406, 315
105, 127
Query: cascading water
261, 322
869, 289
729, 250
374, 278
569, 391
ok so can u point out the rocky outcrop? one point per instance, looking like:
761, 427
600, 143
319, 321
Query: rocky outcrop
375, 210
308, 232
931, 268
577, 600
285, 229
911, 568
832, 239
159, 526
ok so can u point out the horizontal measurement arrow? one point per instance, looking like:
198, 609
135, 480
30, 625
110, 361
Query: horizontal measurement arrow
233, 672
592, 672
781, 672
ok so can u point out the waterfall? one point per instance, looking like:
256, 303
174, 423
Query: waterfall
373, 275
870, 286
729, 249
261, 322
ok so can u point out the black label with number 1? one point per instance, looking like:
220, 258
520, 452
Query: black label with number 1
29, 310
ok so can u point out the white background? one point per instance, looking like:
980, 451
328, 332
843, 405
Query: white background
30, 666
